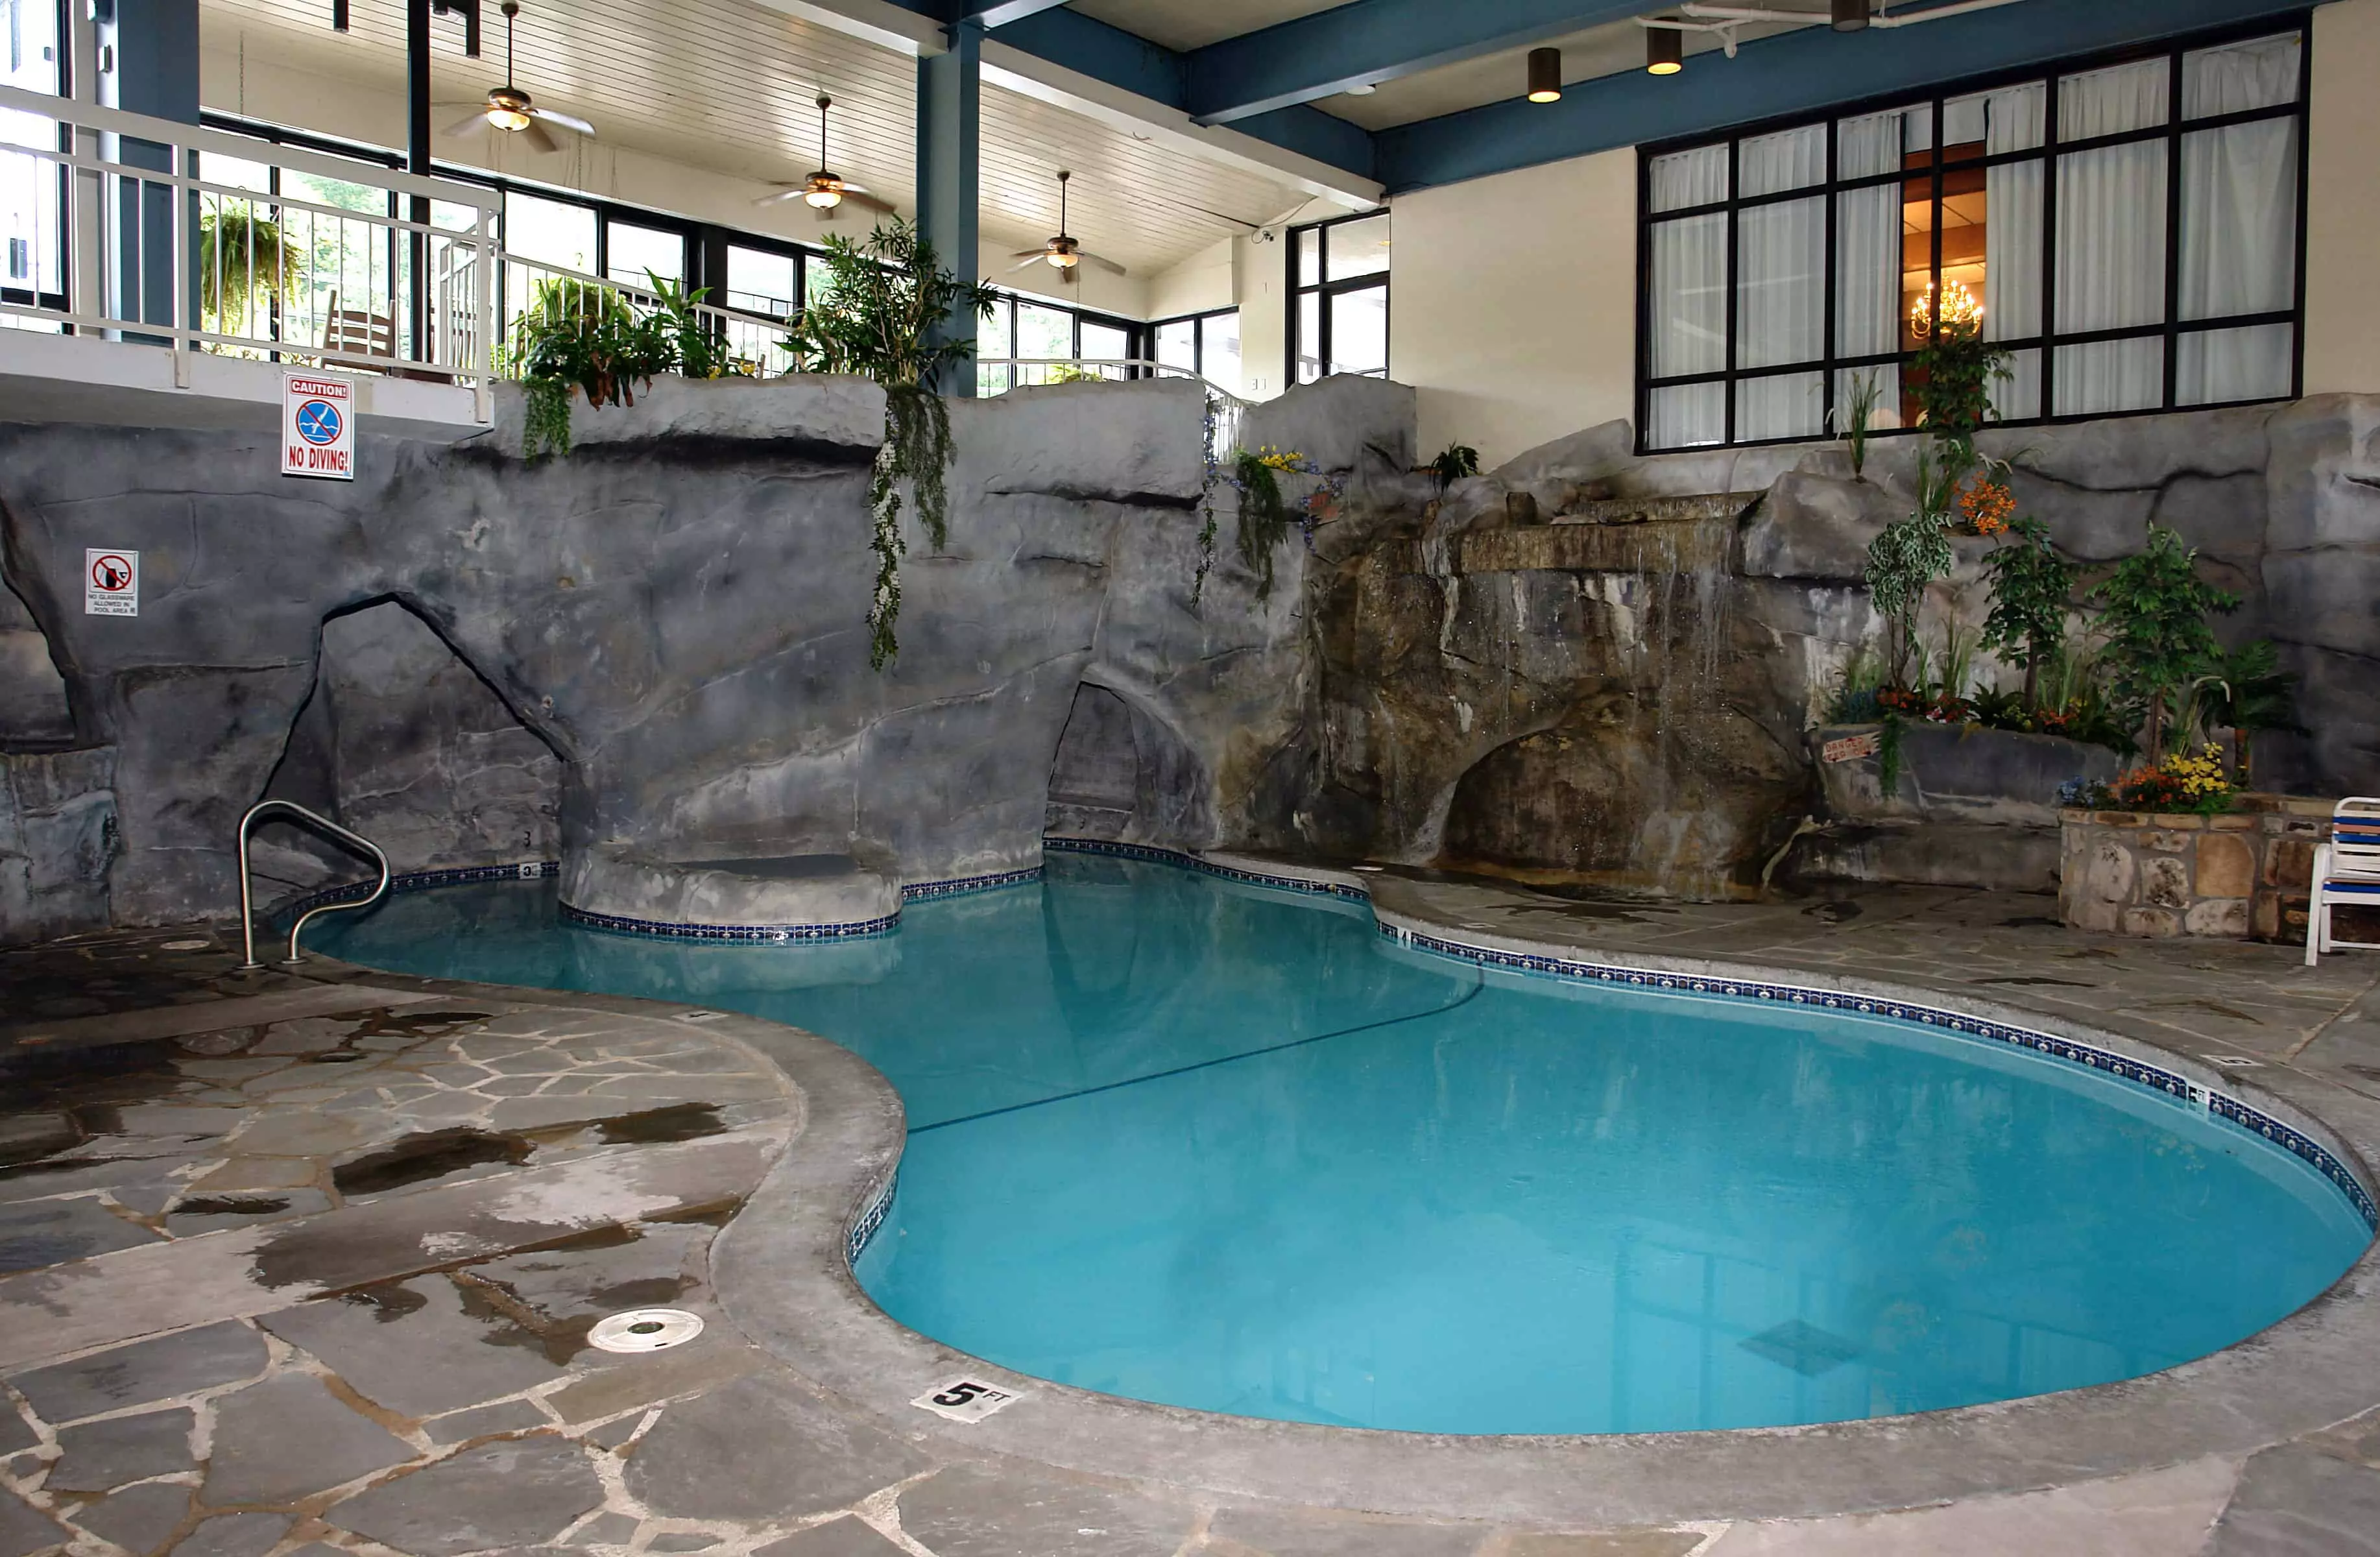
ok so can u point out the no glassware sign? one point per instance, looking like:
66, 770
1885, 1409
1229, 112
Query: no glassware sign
318, 427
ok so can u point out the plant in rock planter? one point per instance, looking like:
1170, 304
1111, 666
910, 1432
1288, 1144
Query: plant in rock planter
1856, 416
880, 313
2155, 612
2245, 691
581, 338
2032, 586
1455, 462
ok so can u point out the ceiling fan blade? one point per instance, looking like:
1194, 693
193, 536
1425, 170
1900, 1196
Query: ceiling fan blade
1104, 264
784, 192
567, 121
1027, 266
540, 138
476, 121
1030, 253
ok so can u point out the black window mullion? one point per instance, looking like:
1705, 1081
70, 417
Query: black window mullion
2305, 192
2173, 233
1734, 186
2052, 151
1646, 305
1828, 345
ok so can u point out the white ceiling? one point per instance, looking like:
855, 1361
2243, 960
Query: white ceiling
1190, 24
728, 86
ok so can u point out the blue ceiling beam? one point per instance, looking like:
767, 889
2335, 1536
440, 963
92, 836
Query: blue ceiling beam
1793, 73
1369, 42
1133, 64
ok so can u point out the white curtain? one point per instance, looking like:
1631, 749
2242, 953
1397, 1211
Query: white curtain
2013, 241
1867, 260
2111, 234
2239, 222
1782, 284
1793, 159
1689, 324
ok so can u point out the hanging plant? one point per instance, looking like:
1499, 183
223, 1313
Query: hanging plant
242, 257
1207, 507
1264, 514
881, 313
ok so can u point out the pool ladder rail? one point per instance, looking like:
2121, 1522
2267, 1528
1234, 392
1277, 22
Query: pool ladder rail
356, 841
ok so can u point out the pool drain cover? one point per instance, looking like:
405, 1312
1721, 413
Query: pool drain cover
646, 1329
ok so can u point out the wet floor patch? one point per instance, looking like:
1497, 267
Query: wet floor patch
418, 1159
659, 1126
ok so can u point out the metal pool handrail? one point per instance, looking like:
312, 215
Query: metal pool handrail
246, 899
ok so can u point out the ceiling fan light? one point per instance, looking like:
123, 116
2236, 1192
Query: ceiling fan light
823, 194
1545, 75
1851, 16
1665, 50
504, 117
1065, 259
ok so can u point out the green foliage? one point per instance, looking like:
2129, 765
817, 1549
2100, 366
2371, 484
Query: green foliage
1856, 415
581, 338
1264, 516
242, 257
2245, 691
2032, 586
1206, 503
1952, 375
1854, 697
880, 311
1456, 461
1908, 555
2159, 640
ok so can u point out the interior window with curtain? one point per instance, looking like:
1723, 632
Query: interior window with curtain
2129, 227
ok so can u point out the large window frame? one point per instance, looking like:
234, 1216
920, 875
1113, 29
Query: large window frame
1199, 331
1324, 287
2047, 342
993, 381
59, 243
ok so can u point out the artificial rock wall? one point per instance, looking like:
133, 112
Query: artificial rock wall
649, 657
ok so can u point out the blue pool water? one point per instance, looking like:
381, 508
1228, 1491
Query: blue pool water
1225, 1148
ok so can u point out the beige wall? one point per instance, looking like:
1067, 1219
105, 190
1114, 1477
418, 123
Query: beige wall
2342, 349
1206, 281
1261, 267
1512, 304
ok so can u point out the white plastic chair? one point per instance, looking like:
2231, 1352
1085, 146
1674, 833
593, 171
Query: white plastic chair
2346, 870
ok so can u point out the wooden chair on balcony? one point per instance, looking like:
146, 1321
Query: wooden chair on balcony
2346, 870
359, 331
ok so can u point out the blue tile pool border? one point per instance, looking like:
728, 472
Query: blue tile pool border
750, 934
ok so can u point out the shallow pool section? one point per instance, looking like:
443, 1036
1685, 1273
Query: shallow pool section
1225, 1148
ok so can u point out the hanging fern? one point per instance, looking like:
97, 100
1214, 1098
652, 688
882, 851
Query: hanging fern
1264, 516
916, 446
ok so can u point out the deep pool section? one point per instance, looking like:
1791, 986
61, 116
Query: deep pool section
1225, 1148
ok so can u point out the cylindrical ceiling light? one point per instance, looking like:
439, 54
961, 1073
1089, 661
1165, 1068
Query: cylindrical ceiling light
1545, 75
1851, 16
1665, 50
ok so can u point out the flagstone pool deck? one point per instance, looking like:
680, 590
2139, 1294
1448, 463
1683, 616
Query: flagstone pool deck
305, 1262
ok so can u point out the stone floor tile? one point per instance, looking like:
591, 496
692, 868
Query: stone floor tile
289, 1437
413, 1347
652, 1268
836, 1537
16, 1435
25, 1529
137, 1518
971, 1511
179, 1364
715, 1361
52, 1231
695, 1462
104, 1455
511, 1415
302, 1134
2161, 1513
501, 1496
681, 1540
606, 1529
194, 1213
234, 1535
245, 1174
1276, 1533
2298, 1502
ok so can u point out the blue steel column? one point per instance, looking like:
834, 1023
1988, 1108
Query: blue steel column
950, 170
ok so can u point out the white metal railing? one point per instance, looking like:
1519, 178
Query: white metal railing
750, 340
161, 253
997, 375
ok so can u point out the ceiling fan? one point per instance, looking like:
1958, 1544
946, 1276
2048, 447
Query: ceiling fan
1061, 253
822, 192
508, 107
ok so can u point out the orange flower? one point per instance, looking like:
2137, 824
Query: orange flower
1987, 506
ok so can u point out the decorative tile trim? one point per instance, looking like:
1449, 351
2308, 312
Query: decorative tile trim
761, 934
420, 880
864, 1227
921, 892
2124, 1067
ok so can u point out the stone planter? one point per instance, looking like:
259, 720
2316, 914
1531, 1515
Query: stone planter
1970, 807
2245, 875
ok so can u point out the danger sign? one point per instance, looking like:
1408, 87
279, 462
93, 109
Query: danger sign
111, 583
1850, 748
318, 427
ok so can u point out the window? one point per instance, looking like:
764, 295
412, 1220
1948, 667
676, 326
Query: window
630, 252
1203, 344
1040, 335
32, 189
1339, 275
2131, 228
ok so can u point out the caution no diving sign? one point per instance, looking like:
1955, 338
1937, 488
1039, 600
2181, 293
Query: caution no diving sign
318, 427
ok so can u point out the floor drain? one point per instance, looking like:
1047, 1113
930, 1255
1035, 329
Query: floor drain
700, 1015
646, 1329
187, 945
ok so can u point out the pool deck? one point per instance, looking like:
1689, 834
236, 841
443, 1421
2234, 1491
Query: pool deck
307, 1264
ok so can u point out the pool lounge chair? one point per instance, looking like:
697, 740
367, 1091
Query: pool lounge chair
2346, 870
